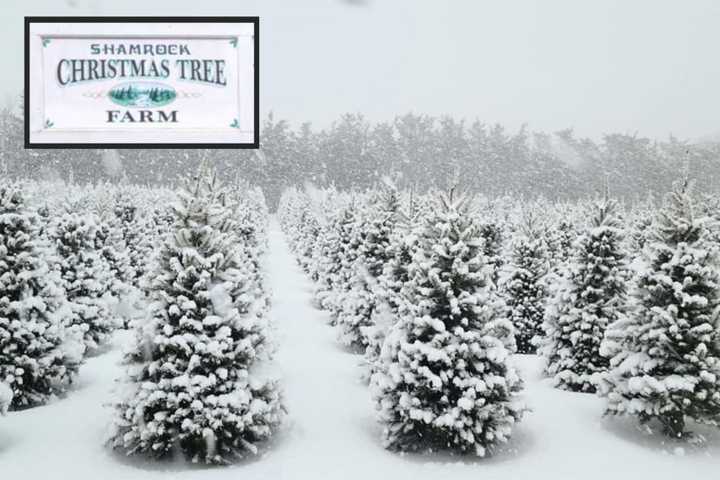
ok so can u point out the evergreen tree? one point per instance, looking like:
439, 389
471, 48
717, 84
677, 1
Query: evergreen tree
193, 392
525, 290
590, 295
335, 267
640, 226
353, 227
560, 241
246, 225
38, 357
162, 219
665, 356
492, 234
309, 229
6, 396
710, 207
639, 231
86, 278
402, 245
329, 248
444, 380
289, 208
355, 319
136, 235
111, 246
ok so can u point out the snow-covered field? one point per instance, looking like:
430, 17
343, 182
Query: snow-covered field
331, 431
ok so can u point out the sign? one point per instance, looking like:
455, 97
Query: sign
110, 82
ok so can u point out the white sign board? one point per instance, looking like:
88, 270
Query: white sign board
141, 82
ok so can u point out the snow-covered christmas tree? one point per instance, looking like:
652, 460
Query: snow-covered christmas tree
525, 291
492, 234
444, 380
560, 235
402, 245
245, 219
193, 393
328, 250
308, 231
588, 296
111, 246
39, 357
136, 233
6, 396
87, 278
337, 259
665, 355
355, 318
640, 226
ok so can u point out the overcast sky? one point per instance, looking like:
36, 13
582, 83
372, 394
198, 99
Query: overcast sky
646, 66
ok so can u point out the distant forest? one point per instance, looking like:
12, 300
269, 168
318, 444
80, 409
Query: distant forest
418, 151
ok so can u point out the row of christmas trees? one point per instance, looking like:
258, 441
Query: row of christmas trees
72, 270
66, 261
438, 290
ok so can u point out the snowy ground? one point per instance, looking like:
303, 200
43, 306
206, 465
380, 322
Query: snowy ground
331, 432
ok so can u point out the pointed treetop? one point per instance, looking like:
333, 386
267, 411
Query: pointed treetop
605, 213
407, 215
676, 222
530, 225
454, 200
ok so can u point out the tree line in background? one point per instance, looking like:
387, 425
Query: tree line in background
419, 151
